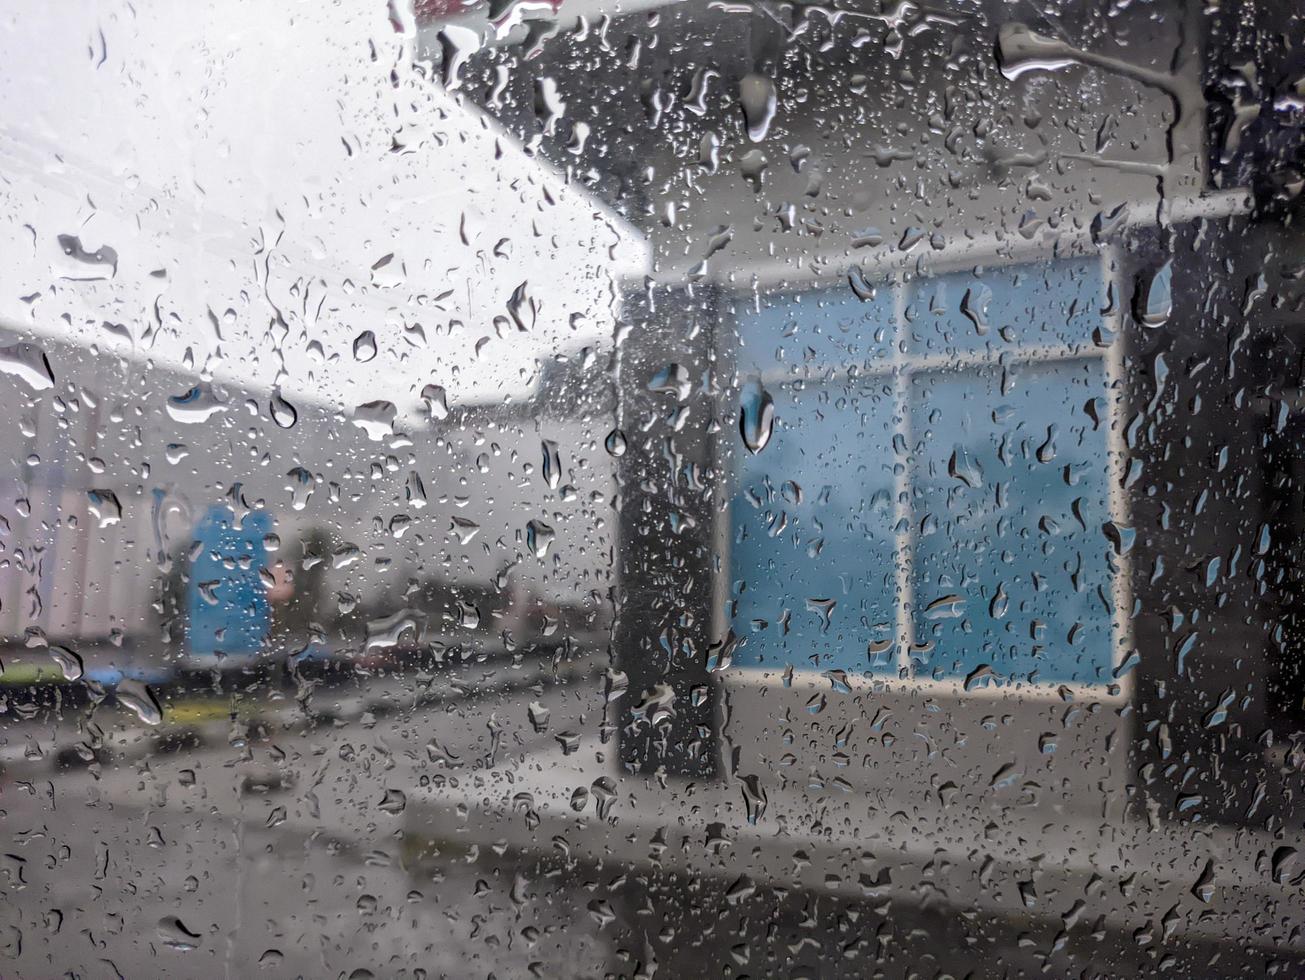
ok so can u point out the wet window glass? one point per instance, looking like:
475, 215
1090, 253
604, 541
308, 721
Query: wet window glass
570, 488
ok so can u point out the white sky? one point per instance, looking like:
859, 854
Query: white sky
178, 138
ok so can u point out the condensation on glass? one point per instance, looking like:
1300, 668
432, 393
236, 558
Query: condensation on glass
576, 488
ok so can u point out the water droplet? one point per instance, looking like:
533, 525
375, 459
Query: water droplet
175, 935
413, 490
615, 443
539, 716
390, 631
861, 287
880, 652
301, 487
1283, 865
964, 467
394, 802
980, 676
754, 798
364, 346
742, 890
140, 700
947, 607
1047, 451
1021, 50
615, 683
436, 400
104, 505
824, 608
838, 681
1203, 889
68, 661
522, 308
974, 305
552, 465
758, 101
657, 706
1153, 300
673, 379
1121, 537
569, 741
376, 419
197, 405
102, 262
539, 538
28, 364
465, 529
720, 654
283, 413
756, 417
603, 790
457, 43
752, 167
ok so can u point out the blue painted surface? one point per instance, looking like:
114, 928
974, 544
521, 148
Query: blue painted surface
228, 570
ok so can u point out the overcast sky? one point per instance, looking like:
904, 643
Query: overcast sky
247, 150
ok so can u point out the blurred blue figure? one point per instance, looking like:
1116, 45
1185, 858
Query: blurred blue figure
226, 601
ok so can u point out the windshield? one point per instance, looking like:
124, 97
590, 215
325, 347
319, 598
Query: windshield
573, 488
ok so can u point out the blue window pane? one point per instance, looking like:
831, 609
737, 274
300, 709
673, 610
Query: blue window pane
813, 531
817, 329
1045, 305
1010, 493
